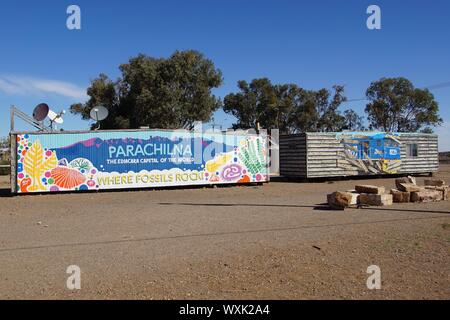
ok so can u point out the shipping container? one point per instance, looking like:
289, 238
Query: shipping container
340, 154
123, 159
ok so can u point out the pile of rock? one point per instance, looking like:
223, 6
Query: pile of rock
373, 195
362, 195
409, 191
406, 190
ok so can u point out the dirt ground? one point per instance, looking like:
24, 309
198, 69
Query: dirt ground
276, 241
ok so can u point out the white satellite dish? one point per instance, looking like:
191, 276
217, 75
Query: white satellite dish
55, 117
97, 114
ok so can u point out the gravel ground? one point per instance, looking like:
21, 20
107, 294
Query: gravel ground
275, 241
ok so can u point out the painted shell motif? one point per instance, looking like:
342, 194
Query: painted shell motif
67, 178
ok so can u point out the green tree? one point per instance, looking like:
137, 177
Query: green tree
254, 103
395, 105
329, 118
316, 111
289, 97
160, 93
353, 121
286, 107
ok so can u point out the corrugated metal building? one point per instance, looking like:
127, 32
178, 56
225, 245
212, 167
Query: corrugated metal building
334, 154
126, 159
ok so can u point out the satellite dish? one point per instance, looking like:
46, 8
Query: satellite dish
99, 113
55, 117
41, 112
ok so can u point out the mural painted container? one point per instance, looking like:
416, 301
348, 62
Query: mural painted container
314, 155
123, 159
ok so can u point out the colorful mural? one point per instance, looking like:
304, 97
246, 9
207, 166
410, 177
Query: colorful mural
370, 153
111, 160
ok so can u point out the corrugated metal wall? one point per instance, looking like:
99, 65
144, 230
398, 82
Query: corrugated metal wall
323, 156
125, 159
427, 159
293, 155
318, 154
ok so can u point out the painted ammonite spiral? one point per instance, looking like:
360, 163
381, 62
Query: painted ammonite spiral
231, 172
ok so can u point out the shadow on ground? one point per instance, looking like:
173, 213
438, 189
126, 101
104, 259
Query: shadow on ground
322, 206
216, 234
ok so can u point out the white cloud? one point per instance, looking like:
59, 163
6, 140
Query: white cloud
18, 85
444, 136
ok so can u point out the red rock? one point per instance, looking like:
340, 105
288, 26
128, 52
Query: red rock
400, 196
435, 183
408, 179
369, 189
426, 196
339, 199
408, 187
375, 199
445, 192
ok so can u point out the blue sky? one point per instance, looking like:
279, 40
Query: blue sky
312, 43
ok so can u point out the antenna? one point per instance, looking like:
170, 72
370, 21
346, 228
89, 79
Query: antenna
55, 118
98, 113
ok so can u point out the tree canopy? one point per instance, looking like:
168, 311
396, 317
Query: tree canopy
175, 92
353, 121
156, 92
395, 105
287, 107
255, 102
